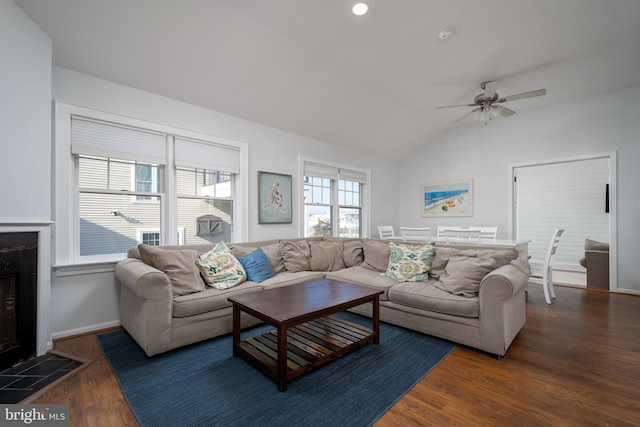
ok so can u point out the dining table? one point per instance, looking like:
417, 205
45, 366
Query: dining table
522, 246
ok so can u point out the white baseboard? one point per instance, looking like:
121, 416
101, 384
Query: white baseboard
627, 291
84, 330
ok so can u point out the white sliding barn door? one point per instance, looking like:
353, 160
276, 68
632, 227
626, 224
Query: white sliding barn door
565, 194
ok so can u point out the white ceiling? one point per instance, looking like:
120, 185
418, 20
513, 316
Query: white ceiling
371, 83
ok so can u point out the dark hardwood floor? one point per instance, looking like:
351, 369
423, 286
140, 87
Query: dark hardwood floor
576, 362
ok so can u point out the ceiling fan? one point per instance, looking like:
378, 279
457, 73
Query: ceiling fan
485, 102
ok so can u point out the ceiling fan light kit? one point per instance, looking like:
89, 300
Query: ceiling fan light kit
484, 114
485, 110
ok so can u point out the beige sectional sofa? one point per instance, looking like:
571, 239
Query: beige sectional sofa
163, 306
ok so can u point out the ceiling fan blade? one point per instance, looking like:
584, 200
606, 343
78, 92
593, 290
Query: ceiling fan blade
504, 111
523, 95
459, 105
489, 89
464, 117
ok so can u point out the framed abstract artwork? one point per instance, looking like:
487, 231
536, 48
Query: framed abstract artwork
274, 198
449, 198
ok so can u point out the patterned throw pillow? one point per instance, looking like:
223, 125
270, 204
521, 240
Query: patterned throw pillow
409, 262
220, 268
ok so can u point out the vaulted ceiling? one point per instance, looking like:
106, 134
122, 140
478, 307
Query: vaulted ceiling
369, 82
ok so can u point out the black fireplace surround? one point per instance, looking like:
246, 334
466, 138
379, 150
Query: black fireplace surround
18, 307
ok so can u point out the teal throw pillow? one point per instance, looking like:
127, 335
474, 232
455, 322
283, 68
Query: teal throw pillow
409, 262
257, 266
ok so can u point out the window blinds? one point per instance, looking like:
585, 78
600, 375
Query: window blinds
569, 195
206, 155
350, 175
320, 171
331, 172
103, 139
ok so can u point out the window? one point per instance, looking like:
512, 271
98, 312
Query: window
151, 238
147, 180
108, 214
349, 208
127, 181
332, 201
318, 208
200, 198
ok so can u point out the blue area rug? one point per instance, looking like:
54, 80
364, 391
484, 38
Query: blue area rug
204, 385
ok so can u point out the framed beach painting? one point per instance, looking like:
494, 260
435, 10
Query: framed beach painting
445, 199
274, 198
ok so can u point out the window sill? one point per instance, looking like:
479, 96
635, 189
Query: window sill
63, 270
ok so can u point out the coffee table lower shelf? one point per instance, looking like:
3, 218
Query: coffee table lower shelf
309, 345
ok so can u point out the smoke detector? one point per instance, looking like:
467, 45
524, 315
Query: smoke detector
446, 33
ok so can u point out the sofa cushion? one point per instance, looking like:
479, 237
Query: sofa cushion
427, 296
178, 264
409, 262
271, 250
134, 251
295, 255
287, 278
463, 274
220, 268
352, 253
326, 256
376, 254
361, 275
257, 266
351, 250
442, 254
210, 299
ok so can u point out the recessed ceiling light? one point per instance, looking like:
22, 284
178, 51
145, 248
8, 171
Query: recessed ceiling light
360, 9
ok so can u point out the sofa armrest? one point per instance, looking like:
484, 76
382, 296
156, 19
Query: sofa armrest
502, 305
146, 282
505, 281
146, 305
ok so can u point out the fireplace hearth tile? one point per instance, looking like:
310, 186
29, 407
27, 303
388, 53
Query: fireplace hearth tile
24, 381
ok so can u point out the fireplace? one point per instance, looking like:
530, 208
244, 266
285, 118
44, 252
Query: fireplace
18, 306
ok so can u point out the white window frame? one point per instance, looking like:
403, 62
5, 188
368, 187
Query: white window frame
67, 234
365, 196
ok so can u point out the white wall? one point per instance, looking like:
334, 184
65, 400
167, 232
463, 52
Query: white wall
608, 123
25, 163
25, 118
88, 301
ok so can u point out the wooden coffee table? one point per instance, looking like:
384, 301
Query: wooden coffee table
306, 335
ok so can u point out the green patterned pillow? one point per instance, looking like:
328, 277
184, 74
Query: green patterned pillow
409, 262
220, 268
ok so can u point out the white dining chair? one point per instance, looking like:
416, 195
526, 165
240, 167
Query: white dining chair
415, 234
386, 231
487, 234
547, 272
462, 235
440, 231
